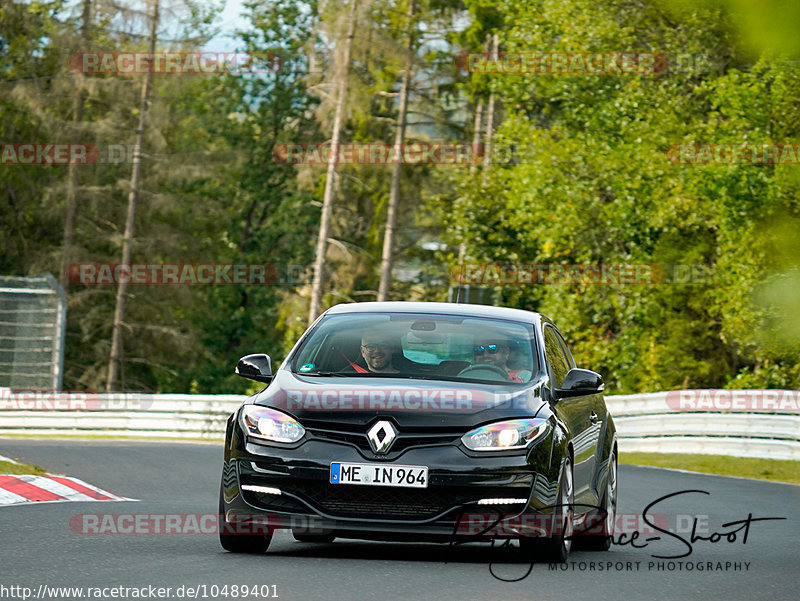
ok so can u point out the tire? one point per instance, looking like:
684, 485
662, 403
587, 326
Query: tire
313, 538
556, 548
240, 543
601, 536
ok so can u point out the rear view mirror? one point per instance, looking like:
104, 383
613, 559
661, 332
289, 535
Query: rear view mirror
256, 367
425, 337
580, 382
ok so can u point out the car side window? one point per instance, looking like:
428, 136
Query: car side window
567, 352
556, 358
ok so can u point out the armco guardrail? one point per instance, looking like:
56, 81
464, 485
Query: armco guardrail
128, 414
752, 423
738, 423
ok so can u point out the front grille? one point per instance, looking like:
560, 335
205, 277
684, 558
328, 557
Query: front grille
388, 502
379, 502
403, 442
375, 501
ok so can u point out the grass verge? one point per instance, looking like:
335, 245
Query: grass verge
745, 467
20, 468
217, 441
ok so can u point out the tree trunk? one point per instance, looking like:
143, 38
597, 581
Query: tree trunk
119, 310
476, 141
487, 158
72, 175
394, 189
330, 181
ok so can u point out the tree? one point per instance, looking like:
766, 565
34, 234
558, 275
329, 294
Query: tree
77, 118
394, 188
130, 221
343, 68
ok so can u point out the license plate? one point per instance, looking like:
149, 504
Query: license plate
373, 474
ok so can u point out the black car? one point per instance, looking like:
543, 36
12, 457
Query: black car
422, 421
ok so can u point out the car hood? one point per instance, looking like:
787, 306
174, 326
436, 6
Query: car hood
411, 403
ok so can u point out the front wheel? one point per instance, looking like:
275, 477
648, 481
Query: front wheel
240, 543
599, 536
556, 548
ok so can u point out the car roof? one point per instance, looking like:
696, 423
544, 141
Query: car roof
438, 308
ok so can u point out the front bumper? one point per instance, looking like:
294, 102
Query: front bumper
447, 508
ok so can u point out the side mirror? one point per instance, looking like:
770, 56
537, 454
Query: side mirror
256, 367
580, 382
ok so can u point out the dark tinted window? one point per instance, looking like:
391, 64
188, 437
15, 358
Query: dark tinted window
567, 352
408, 345
559, 363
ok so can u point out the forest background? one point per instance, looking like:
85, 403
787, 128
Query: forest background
578, 172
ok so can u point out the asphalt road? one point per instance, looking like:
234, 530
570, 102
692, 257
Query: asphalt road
38, 546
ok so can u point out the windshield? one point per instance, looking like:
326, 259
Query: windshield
409, 345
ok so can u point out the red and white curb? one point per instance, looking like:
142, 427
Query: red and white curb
26, 489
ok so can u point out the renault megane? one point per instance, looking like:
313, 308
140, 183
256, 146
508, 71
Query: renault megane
422, 421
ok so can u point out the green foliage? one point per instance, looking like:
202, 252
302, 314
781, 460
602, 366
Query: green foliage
6, 467
587, 181
591, 184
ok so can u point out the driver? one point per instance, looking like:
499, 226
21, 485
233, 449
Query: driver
496, 351
377, 353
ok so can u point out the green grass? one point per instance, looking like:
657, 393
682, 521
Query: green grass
745, 467
217, 441
20, 468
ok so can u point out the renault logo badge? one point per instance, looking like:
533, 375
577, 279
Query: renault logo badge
381, 436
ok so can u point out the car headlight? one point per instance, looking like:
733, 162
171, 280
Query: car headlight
269, 424
506, 435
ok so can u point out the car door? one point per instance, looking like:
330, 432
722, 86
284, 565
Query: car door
579, 413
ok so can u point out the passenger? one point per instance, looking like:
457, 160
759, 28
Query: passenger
496, 351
